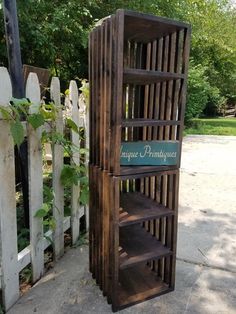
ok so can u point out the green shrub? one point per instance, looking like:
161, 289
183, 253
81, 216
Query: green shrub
202, 98
198, 90
215, 104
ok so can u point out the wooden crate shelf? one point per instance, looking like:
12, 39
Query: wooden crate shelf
138, 70
137, 246
136, 207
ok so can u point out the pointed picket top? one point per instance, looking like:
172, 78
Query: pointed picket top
32, 91
6, 87
55, 91
74, 94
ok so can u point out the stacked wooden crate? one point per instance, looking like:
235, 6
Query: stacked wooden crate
138, 71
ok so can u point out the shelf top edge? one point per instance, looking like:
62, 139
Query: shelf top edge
153, 18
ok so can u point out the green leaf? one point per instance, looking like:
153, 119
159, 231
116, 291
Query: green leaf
20, 101
6, 114
84, 180
20, 106
36, 120
48, 194
69, 175
83, 151
52, 223
72, 125
42, 212
48, 111
84, 196
17, 132
46, 137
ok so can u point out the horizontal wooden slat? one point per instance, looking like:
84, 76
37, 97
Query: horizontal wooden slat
147, 122
136, 207
144, 77
139, 283
137, 246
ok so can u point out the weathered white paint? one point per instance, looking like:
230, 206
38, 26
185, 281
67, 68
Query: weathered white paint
32, 91
35, 181
5, 87
8, 228
11, 261
75, 210
57, 163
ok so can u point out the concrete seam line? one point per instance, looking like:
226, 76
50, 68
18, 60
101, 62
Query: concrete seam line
206, 265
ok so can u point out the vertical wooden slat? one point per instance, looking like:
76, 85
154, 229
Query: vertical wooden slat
8, 228
102, 94
114, 249
182, 97
119, 30
91, 100
177, 84
164, 84
91, 236
106, 104
96, 98
152, 88
87, 145
147, 88
106, 231
97, 224
169, 100
35, 180
157, 109
174, 226
57, 164
75, 207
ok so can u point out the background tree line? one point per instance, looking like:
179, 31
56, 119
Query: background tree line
54, 35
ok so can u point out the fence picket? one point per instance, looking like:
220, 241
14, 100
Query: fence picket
8, 228
75, 210
57, 163
35, 180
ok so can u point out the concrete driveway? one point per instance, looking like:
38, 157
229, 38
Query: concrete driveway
206, 266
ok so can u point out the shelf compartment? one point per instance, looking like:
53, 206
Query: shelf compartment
136, 207
137, 246
145, 77
139, 122
139, 283
145, 28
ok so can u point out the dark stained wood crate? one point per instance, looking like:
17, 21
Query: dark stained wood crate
138, 72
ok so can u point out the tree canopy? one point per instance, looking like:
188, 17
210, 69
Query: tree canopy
54, 35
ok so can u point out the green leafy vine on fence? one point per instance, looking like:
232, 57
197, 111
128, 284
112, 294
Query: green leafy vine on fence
72, 174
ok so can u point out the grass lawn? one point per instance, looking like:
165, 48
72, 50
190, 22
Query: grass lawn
212, 126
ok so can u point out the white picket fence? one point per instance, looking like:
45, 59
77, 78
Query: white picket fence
12, 262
